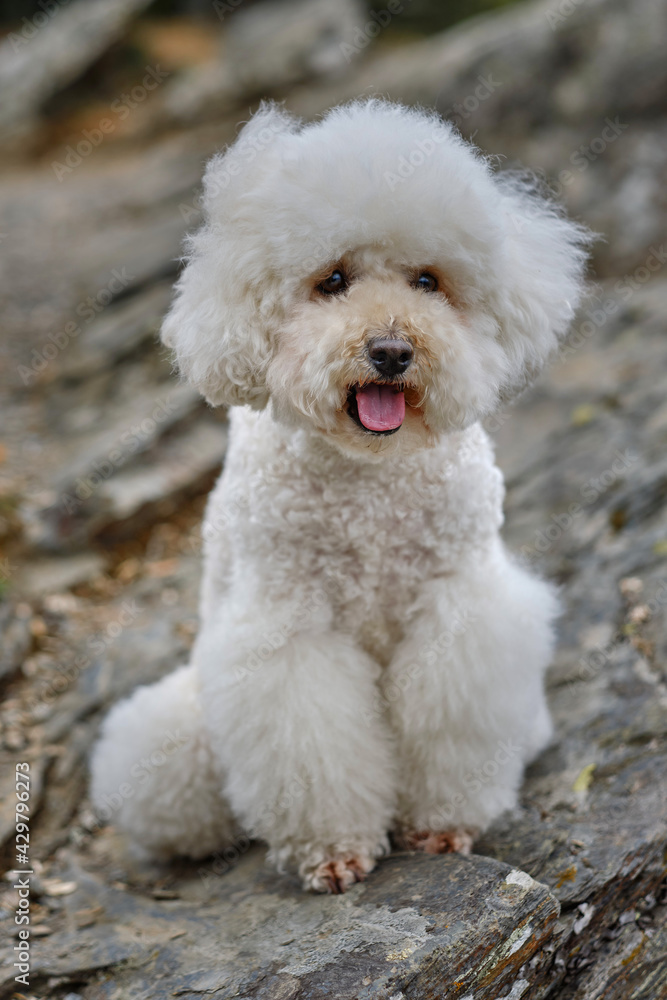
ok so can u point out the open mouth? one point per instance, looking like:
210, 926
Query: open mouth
377, 407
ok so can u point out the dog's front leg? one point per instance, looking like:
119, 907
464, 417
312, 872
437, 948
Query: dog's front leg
464, 694
286, 706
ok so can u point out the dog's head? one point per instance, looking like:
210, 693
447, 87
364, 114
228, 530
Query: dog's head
371, 277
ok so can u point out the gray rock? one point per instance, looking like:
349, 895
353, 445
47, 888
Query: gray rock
51, 576
119, 332
584, 457
15, 639
105, 495
49, 52
266, 47
271, 45
252, 934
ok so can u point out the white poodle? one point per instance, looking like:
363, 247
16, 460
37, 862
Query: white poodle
364, 291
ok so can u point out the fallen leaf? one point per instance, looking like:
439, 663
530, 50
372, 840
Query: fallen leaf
583, 782
582, 415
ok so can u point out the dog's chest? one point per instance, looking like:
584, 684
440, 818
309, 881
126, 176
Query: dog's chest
366, 536
373, 547
361, 538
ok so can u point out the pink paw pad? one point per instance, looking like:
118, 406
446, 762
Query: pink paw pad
457, 841
338, 874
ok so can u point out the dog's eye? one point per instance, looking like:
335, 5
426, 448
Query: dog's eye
334, 284
427, 282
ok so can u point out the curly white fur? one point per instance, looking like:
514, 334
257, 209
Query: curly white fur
370, 658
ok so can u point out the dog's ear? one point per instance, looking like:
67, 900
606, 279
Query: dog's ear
542, 279
220, 322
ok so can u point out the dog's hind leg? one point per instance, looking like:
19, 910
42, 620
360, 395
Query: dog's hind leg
465, 698
154, 776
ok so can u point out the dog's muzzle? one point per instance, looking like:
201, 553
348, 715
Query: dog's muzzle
379, 407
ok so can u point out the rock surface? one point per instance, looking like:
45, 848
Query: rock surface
47, 52
251, 933
106, 462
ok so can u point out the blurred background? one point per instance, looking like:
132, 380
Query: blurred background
109, 110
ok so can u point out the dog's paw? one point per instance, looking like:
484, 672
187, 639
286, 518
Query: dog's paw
457, 840
338, 873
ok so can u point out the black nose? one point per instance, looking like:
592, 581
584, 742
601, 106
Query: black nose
389, 355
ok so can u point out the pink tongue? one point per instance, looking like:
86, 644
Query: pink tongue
380, 407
